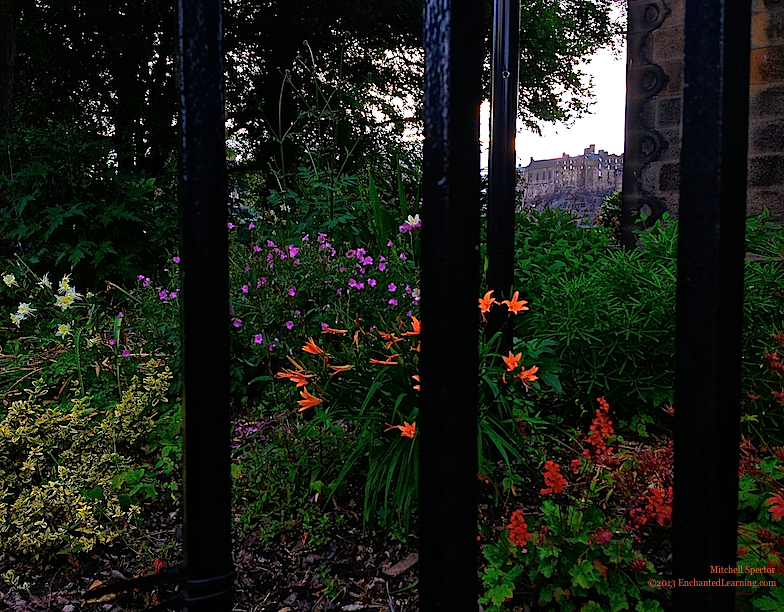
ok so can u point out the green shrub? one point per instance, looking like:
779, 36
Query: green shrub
64, 470
71, 210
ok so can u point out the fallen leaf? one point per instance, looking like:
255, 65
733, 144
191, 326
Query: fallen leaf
402, 566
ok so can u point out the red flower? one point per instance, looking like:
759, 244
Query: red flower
552, 478
158, 565
518, 529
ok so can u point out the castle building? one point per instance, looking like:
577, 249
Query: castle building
550, 179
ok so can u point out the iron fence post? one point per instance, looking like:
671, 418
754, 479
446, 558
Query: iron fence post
505, 67
204, 270
709, 311
449, 281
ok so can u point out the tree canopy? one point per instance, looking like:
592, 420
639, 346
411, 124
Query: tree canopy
109, 67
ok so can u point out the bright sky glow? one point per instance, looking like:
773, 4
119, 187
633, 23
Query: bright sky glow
604, 127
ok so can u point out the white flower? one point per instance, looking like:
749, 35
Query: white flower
92, 341
64, 301
16, 318
24, 309
63, 329
10, 280
414, 221
45, 282
64, 286
90, 294
71, 293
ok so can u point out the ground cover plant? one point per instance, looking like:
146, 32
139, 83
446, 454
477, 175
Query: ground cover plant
324, 350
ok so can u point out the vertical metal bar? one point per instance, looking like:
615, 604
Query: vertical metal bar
450, 279
204, 270
505, 67
709, 312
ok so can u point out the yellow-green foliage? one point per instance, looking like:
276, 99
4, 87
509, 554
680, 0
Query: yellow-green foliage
57, 464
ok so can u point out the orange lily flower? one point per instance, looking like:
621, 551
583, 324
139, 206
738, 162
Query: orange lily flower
416, 378
416, 325
388, 360
407, 429
309, 401
329, 330
343, 368
310, 347
356, 338
296, 365
516, 305
485, 303
512, 361
528, 375
298, 377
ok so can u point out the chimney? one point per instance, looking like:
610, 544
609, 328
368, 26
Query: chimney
589, 149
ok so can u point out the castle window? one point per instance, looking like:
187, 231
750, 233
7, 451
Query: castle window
600, 174
550, 174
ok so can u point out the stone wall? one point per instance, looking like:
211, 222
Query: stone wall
654, 109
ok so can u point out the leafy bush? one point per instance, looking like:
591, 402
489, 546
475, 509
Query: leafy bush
71, 210
612, 314
609, 216
69, 474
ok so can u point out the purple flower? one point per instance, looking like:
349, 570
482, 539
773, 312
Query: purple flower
292, 291
361, 286
342, 269
258, 338
392, 287
322, 237
146, 282
176, 259
389, 244
339, 291
408, 288
140, 277
251, 226
173, 294
296, 261
297, 312
393, 301
263, 280
403, 256
372, 282
245, 288
352, 282
112, 341
270, 244
256, 248
382, 266
120, 315
324, 325
272, 347
247, 268
293, 250
230, 225
351, 253
163, 295
404, 228
408, 314
290, 324
306, 237
126, 353
237, 322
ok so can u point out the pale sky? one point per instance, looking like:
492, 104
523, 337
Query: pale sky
604, 127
